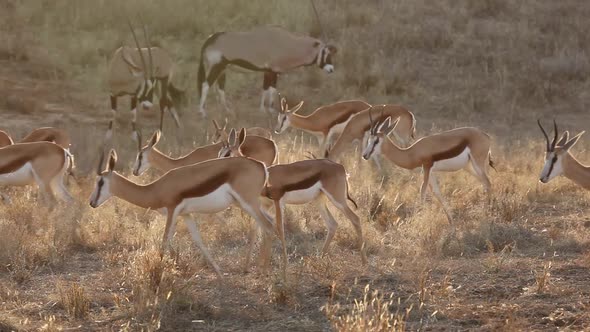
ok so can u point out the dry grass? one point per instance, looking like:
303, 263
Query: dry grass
521, 263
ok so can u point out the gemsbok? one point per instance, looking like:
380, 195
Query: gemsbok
357, 128
222, 135
129, 74
448, 151
269, 49
43, 163
206, 188
325, 123
251, 146
559, 160
317, 181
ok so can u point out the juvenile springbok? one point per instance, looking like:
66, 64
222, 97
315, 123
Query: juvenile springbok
43, 163
256, 147
325, 123
149, 156
269, 49
318, 181
125, 77
359, 125
448, 151
222, 135
559, 161
207, 187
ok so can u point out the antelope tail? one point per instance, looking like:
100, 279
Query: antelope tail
491, 162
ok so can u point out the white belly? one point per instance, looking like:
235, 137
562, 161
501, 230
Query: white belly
21, 177
302, 196
216, 201
453, 164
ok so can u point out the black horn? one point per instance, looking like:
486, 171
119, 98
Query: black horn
99, 168
555, 135
544, 134
317, 16
138, 47
149, 47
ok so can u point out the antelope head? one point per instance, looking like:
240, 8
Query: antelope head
102, 189
555, 151
377, 134
142, 160
283, 121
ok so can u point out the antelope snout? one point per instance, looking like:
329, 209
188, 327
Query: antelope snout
329, 69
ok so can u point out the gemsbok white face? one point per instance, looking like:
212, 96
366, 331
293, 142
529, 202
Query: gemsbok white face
555, 151
102, 189
325, 58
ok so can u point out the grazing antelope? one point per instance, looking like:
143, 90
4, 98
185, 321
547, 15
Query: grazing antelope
207, 187
559, 161
43, 163
316, 180
360, 123
255, 147
221, 132
128, 78
324, 123
5, 139
269, 49
448, 151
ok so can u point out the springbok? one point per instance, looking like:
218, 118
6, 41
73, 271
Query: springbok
324, 123
559, 161
222, 135
127, 78
359, 125
149, 156
448, 151
206, 188
44, 134
255, 147
318, 181
269, 49
43, 163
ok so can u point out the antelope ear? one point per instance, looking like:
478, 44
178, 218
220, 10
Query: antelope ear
572, 141
283, 104
332, 49
389, 129
224, 124
112, 160
296, 108
232, 137
384, 125
155, 138
242, 136
563, 138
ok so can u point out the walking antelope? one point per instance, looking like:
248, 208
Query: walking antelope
559, 161
448, 151
44, 134
128, 78
324, 123
207, 187
255, 147
359, 124
269, 49
43, 163
149, 156
222, 135
316, 180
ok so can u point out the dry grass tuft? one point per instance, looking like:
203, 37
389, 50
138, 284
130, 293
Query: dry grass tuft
74, 300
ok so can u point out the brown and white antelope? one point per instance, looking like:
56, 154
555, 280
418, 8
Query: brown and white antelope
43, 163
559, 160
357, 128
318, 181
5, 139
206, 188
448, 151
222, 135
255, 147
149, 156
129, 74
269, 49
324, 123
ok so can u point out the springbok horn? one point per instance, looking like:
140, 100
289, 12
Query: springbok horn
544, 134
555, 135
